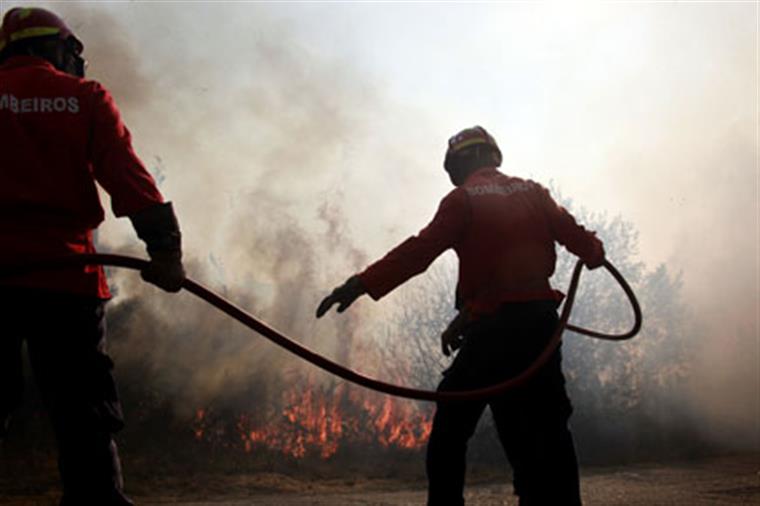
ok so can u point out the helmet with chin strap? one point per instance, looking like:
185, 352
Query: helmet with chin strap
472, 148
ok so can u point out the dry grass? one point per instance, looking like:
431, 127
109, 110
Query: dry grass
726, 480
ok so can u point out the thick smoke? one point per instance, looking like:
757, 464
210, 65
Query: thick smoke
256, 140
291, 168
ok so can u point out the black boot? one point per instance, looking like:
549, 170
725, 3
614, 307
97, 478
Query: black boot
92, 476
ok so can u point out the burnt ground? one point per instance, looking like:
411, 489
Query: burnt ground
715, 481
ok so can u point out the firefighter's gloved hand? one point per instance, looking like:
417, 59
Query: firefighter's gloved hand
165, 270
451, 338
157, 225
597, 260
344, 296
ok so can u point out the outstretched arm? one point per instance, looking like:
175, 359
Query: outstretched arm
408, 259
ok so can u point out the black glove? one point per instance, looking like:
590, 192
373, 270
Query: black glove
344, 296
165, 270
597, 259
158, 227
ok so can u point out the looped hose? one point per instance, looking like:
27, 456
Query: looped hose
328, 365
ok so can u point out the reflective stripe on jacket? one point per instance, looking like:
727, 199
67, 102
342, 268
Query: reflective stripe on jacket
60, 136
503, 229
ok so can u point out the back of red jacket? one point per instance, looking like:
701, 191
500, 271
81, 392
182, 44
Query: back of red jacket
503, 230
60, 135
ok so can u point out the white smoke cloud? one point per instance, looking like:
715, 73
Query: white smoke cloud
260, 117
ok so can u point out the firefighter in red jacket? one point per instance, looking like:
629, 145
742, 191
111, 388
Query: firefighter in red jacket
503, 229
61, 134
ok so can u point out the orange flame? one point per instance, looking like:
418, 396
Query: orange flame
315, 420
199, 428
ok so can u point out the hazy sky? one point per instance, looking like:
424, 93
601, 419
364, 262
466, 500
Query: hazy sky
637, 109
644, 110
327, 115
647, 110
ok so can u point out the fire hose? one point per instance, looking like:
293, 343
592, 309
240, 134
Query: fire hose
339, 370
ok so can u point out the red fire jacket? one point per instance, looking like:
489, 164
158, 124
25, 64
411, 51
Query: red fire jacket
60, 134
503, 229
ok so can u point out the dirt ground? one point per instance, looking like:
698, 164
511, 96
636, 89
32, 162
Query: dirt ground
727, 480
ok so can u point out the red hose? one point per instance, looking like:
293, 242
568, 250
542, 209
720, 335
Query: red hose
328, 365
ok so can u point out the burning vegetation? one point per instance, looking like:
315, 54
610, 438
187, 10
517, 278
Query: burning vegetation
313, 420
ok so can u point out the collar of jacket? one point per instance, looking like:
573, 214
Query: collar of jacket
26, 61
483, 171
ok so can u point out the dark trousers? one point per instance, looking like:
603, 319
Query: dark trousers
65, 337
531, 421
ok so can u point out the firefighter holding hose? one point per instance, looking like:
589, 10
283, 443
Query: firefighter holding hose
503, 230
61, 135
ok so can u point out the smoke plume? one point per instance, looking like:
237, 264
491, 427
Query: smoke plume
292, 165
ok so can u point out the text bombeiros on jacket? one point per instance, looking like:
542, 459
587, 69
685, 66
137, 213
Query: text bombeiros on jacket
498, 189
17, 105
